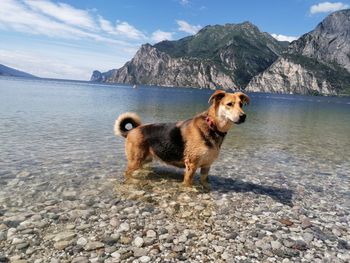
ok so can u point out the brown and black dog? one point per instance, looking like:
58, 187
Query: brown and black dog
189, 144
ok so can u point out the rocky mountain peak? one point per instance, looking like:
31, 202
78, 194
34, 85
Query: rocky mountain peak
316, 63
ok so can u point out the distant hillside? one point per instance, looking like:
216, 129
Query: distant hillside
317, 63
225, 56
7, 71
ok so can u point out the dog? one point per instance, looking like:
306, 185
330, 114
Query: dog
190, 144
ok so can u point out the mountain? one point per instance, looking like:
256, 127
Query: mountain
225, 56
317, 63
7, 71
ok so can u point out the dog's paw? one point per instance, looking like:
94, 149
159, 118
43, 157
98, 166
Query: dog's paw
206, 186
131, 180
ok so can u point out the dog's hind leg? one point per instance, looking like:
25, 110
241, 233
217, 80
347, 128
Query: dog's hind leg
137, 155
204, 177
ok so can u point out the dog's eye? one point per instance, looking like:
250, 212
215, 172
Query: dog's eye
230, 104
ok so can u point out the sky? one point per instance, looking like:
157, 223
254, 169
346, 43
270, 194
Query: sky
69, 39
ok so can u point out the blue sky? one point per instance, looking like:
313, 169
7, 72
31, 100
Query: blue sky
69, 39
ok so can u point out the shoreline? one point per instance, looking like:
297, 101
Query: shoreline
158, 220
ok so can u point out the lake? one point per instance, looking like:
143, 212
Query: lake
56, 139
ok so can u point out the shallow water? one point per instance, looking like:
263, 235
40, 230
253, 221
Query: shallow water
61, 174
58, 135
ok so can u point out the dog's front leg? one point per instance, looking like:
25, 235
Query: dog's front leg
204, 177
189, 173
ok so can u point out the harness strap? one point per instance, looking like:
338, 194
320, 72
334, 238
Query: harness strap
213, 127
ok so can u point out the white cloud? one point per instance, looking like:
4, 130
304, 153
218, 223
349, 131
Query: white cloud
123, 28
63, 12
186, 27
326, 7
106, 25
284, 38
63, 21
159, 35
184, 2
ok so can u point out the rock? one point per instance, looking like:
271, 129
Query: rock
3, 235
308, 237
151, 234
116, 255
60, 245
226, 256
139, 252
299, 245
114, 222
81, 241
288, 242
10, 233
144, 259
23, 174
64, 236
126, 240
22, 245
182, 239
93, 245
80, 260
306, 223
124, 227
69, 195
16, 241
138, 242
336, 232
111, 240
342, 244
286, 221
4, 259
275, 245
178, 248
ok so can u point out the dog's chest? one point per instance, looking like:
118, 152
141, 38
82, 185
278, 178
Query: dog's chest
208, 156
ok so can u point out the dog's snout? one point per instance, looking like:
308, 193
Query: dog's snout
242, 118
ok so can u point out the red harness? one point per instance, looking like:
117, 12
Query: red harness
212, 126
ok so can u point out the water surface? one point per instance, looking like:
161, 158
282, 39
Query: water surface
60, 135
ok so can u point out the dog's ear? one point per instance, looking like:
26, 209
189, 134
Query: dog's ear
217, 96
244, 98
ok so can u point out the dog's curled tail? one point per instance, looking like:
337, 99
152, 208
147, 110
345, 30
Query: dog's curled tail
124, 119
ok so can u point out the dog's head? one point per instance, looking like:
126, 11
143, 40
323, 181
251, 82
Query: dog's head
229, 105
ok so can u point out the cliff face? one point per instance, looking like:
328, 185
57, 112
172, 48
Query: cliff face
217, 56
316, 63
151, 66
286, 76
329, 42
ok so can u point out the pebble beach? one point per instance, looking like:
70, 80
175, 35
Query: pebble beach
156, 219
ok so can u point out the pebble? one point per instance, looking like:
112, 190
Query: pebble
80, 260
81, 241
116, 255
151, 234
145, 259
275, 245
93, 245
124, 227
60, 245
138, 242
64, 236
139, 252
308, 237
